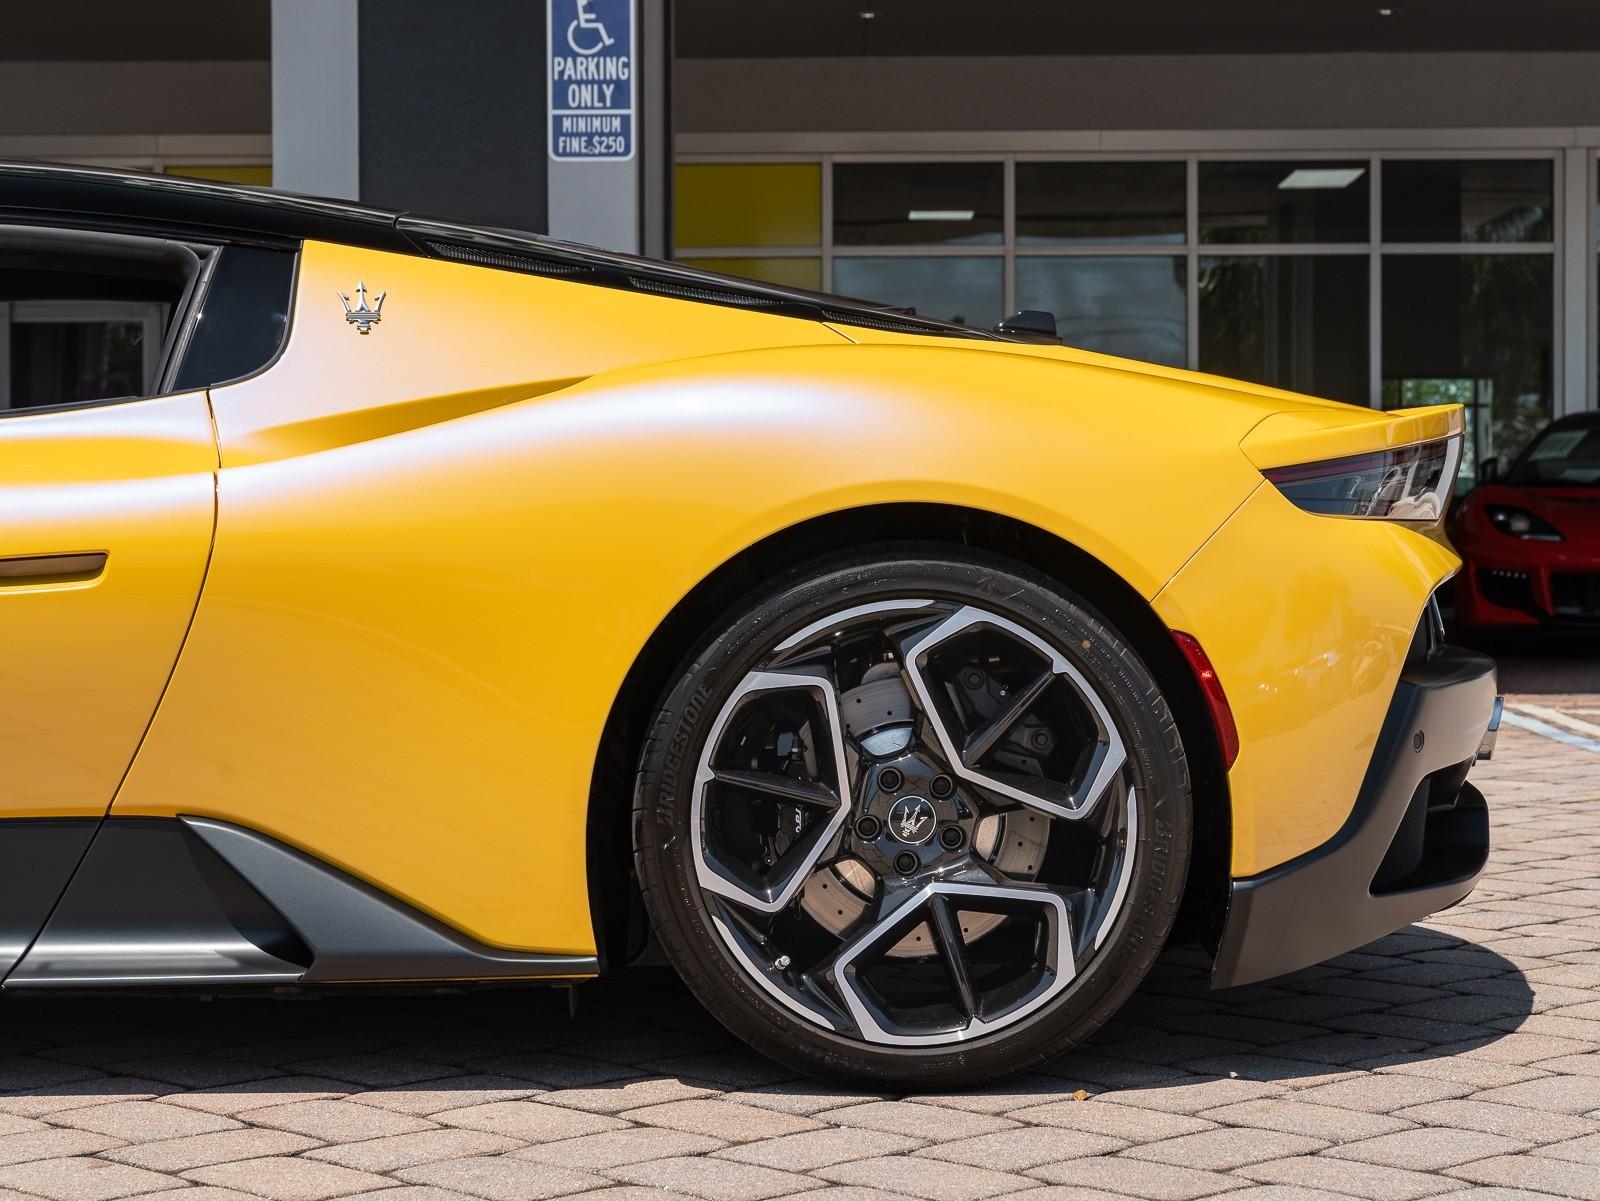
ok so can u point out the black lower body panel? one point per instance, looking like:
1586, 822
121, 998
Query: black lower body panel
191, 902
37, 858
1415, 842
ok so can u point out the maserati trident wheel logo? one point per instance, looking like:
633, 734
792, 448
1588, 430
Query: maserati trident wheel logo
911, 820
360, 316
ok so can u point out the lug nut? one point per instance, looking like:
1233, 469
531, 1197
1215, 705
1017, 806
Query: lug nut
905, 863
951, 838
890, 779
867, 828
941, 786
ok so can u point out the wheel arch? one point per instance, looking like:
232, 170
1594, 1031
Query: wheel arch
621, 928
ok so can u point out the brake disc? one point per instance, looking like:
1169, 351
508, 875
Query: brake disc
879, 715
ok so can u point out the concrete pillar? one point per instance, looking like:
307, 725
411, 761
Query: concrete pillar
316, 140
608, 196
444, 109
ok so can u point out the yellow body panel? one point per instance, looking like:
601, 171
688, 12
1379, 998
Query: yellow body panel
1307, 635
441, 547
1310, 437
87, 654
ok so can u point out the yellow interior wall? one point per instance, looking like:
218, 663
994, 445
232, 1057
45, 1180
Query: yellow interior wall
747, 204
791, 273
226, 173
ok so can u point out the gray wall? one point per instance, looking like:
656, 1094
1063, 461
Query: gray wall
114, 98
453, 109
413, 104
1268, 91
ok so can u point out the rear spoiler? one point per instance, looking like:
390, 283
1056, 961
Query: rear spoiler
1320, 434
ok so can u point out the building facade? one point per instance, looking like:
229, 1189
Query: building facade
1387, 206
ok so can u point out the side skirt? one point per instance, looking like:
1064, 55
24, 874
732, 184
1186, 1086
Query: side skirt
37, 858
192, 902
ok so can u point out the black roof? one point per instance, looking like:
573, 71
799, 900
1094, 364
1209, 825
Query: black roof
136, 202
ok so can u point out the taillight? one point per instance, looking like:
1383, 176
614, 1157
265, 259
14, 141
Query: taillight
1216, 700
1409, 483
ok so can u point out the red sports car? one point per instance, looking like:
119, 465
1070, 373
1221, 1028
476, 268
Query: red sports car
1531, 535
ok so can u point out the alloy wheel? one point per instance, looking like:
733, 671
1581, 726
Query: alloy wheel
913, 822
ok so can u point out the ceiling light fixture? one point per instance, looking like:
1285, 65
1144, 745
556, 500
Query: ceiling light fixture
1305, 178
941, 215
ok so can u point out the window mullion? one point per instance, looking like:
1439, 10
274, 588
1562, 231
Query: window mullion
827, 223
1572, 224
1191, 275
5, 355
1375, 284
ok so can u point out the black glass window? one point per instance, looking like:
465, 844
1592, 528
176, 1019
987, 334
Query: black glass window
1128, 305
1274, 201
243, 318
1470, 200
1100, 202
89, 352
909, 204
1292, 321
961, 288
81, 327
1473, 329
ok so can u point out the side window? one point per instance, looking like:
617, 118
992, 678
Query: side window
87, 318
64, 351
80, 323
243, 317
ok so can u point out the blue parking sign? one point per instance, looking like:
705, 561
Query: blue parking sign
591, 79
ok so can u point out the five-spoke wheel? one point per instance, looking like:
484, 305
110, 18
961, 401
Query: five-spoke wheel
894, 826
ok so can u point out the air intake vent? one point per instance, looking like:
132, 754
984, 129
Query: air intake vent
665, 287
883, 323
506, 260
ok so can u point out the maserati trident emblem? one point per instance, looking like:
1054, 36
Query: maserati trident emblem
362, 317
911, 820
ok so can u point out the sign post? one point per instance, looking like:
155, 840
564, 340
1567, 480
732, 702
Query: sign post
592, 80
593, 169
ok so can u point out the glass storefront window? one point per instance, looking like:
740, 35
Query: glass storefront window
1292, 321
918, 204
963, 288
1467, 200
747, 204
1128, 305
1272, 200
1273, 276
1473, 329
804, 273
1064, 203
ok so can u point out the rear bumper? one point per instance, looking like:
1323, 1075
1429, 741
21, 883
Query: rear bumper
1415, 842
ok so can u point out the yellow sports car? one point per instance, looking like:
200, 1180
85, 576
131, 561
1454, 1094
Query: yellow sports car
387, 601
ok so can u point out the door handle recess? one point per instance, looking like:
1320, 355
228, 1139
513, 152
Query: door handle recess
19, 571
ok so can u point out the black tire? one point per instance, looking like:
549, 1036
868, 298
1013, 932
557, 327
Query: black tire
1156, 783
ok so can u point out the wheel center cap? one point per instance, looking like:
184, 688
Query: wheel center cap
912, 820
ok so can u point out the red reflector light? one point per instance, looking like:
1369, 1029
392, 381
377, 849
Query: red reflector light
1216, 700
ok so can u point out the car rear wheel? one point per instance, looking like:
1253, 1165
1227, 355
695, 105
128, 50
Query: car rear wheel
915, 819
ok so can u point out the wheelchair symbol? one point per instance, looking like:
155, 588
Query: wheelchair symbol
586, 20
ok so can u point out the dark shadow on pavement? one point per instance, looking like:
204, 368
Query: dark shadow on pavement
1407, 999
1544, 663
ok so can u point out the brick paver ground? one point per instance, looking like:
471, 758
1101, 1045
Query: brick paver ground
1460, 1057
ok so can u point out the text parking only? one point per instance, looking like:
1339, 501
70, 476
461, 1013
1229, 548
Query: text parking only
591, 80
